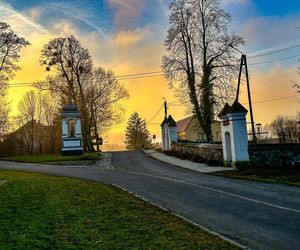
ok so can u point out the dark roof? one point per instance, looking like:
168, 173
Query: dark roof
236, 107
70, 108
169, 121
163, 122
183, 124
225, 110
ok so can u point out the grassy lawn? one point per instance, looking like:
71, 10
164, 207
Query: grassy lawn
289, 176
45, 212
52, 158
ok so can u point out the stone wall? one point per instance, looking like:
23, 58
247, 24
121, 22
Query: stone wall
262, 155
210, 153
274, 155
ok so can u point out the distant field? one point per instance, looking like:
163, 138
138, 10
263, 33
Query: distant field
52, 158
43, 212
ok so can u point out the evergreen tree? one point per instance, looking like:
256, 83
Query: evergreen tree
137, 135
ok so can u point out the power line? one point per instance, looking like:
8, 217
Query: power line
274, 99
275, 60
121, 77
156, 114
139, 77
274, 51
138, 74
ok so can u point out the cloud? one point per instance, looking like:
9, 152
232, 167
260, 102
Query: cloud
75, 13
127, 12
20, 23
273, 84
264, 32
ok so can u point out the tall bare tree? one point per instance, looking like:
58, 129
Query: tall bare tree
200, 56
74, 63
104, 92
10, 47
95, 91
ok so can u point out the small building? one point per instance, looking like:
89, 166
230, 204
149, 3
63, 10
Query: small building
190, 129
71, 131
234, 135
168, 130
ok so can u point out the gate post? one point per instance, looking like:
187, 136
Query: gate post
234, 135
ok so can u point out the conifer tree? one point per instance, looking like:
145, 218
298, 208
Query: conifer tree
137, 135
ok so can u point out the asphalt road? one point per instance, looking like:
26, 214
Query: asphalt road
257, 215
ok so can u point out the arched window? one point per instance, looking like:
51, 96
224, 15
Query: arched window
71, 128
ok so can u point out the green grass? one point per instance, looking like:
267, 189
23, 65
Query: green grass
288, 176
52, 158
44, 212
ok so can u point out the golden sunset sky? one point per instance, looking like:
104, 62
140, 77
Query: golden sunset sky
127, 36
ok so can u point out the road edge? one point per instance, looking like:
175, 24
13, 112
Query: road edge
233, 242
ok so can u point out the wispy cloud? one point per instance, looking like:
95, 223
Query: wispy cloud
76, 13
20, 23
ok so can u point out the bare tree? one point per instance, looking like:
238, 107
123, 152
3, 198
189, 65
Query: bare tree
286, 129
96, 92
104, 92
200, 56
10, 47
4, 121
37, 111
74, 63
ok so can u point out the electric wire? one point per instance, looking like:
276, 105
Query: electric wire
274, 51
156, 114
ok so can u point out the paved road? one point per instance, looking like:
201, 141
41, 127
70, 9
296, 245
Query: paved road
257, 215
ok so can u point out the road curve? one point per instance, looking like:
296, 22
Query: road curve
257, 215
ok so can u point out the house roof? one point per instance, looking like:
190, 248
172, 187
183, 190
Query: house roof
183, 124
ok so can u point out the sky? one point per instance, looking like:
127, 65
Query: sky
127, 37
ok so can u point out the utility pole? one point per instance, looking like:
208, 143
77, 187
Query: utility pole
165, 125
166, 108
244, 63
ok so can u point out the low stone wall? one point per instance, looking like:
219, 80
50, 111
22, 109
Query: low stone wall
261, 155
274, 155
209, 153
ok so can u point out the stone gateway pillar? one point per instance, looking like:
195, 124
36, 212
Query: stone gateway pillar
234, 135
71, 131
